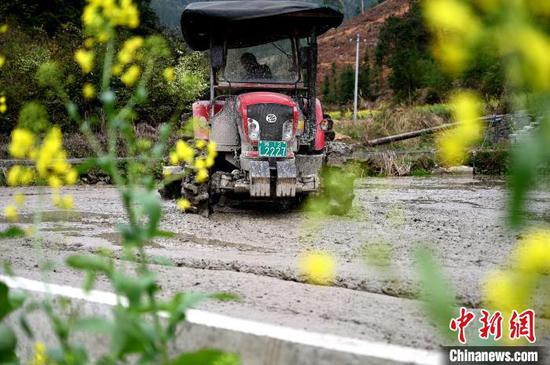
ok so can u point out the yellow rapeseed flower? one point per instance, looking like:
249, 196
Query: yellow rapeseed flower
453, 145
318, 267
451, 15
27, 176
169, 74
131, 75
173, 158
183, 204
184, 151
54, 182
85, 60
211, 148
209, 162
22, 142
67, 202
200, 163
88, 91
14, 175
505, 291
129, 49
534, 46
533, 252
117, 69
89, 42
19, 198
10, 212
3, 28
2, 60
200, 144
40, 357
202, 176
71, 177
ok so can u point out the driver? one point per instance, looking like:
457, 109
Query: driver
253, 69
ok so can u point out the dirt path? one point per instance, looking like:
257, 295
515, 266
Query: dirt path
253, 252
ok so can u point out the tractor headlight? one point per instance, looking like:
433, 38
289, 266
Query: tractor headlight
287, 130
324, 125
253, 130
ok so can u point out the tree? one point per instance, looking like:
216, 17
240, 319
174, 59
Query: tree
346, 85
365, 77
403, 46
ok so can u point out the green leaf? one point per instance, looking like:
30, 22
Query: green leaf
87, 165
8, 342
437, 297
9, 302
12, 232
89, 262
152, 207
161, 260
93, 324
164, 234
525, 161
133, 287
26, 326
226, 297
207, 357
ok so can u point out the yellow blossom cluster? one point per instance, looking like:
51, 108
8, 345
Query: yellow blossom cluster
3, 105
40, 357
169, 74
318, 267
85, 60
50, 165
101, 16
453, 145
456, 28
183, 204
88, 91
515, 287
128, 54
460, 27
3, 29
200, 161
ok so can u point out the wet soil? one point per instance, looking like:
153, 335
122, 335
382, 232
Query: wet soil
253, 251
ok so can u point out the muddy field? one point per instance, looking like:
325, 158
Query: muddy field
253, 252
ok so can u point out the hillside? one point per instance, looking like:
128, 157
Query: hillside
338, 45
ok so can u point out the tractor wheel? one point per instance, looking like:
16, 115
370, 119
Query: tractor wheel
171, 190
197, 194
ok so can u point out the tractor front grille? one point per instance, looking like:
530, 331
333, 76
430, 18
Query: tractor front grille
263, 112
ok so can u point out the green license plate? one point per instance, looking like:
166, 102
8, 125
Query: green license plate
272, 149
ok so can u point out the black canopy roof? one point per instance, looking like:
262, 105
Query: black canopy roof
250, 22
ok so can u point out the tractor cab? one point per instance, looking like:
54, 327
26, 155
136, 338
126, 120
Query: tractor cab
262, 110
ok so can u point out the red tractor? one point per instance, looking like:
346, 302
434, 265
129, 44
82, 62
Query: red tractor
263, 114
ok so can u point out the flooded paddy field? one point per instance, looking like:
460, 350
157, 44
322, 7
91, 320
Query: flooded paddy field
253, 252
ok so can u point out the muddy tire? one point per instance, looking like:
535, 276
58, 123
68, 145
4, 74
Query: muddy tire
171, 190
197, 194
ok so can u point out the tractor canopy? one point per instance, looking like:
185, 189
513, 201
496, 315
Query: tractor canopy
248, 23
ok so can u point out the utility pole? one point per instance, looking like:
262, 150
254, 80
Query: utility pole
355, 93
